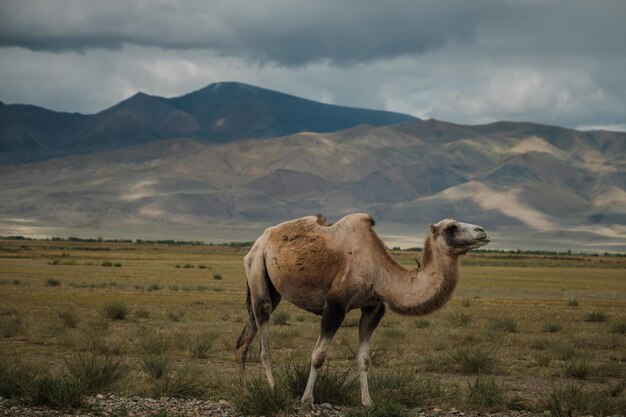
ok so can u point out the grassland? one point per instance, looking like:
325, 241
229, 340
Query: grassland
528, 328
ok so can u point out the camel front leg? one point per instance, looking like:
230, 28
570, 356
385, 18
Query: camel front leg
332, 317
370, 317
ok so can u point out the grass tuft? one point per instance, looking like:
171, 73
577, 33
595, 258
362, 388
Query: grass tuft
486, 395
53, 282
421, 323
574, 400
460, 319
596, 317
95, 373
473, 359
116, 310
406, 388
576, 368
503, 324
619, 328
261, 400
69, 319
281, 318
332, 385
552, 327
156, 366
202, 345
572, 302
217, 277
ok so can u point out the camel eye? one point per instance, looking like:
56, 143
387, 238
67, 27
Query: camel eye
452, 229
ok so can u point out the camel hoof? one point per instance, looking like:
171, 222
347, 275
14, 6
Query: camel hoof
367, 402
307, 402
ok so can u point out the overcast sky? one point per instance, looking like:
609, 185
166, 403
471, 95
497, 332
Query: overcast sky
557, 62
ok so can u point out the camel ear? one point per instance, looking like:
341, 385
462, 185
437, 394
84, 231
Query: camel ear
433, 229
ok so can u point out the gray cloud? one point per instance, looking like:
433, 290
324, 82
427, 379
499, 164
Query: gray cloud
551, 61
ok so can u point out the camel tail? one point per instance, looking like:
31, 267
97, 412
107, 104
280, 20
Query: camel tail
246, 329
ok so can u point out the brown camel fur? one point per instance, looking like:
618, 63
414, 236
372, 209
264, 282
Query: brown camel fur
332, 269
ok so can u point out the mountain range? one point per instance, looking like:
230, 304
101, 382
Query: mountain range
279, 157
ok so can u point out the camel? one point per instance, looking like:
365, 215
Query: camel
331, 269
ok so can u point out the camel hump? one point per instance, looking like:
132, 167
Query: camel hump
360, 218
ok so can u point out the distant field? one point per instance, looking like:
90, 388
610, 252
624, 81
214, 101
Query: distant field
537, 323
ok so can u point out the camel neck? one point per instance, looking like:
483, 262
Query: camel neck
421, 291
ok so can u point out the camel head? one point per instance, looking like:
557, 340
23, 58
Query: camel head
457, 238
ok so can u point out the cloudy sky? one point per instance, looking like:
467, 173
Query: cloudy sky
550, 61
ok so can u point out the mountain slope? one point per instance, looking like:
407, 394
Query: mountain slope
529, 190
221, 112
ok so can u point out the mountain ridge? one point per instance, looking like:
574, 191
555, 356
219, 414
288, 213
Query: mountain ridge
219, 112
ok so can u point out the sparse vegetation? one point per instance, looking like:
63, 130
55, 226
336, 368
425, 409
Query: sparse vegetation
53, 282
486, 394
473, 359
261, 400
572, 302
596, 317
217, 277
414, 361
116, 310
503, 324
281, 318
332, 385
384, 408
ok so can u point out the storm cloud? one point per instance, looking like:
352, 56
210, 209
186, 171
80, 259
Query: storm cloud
560, 62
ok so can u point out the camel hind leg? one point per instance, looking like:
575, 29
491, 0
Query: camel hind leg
263, 300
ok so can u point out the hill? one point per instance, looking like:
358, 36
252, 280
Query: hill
532, 186
221, 112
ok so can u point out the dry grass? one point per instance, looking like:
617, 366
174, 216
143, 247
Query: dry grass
517, 307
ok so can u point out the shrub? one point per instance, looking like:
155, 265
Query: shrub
95, 373
473, 359
202, 345
619, 328
202, 266
187, 266
406, 388
106, 263
261, 400
116, 310
281, 318
176, 316
576, 368
217, 277
117, 265
381, 409
503, 324
596, 317
331, 386
52, 282
486, 395
56, 391
156, 366
11, 326
153, 287
551, 327
183, 383
69, 318
574, 400
572, 302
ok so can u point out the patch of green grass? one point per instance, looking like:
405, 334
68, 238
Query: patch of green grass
572, 302
460, 319
577, 368
573, 399
12, 379
53, 282
156, 366
596, 317
180, 383
217, 277
486, 395
96, 373
619, 328
331, 386
55, 391
281, 318
503, 324
106, 263
380, 409
552, 327
202, 345
472, 359
11, 326
564, 351
407, 388
116, 310
69, 319
261, 400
